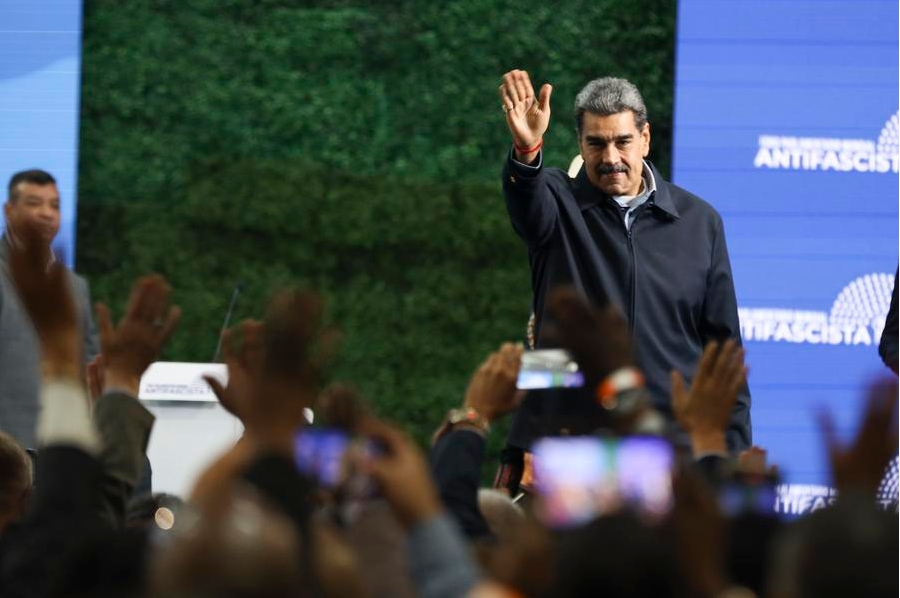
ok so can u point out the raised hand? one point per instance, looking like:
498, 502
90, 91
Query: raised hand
598, 339
277, 368
492, 390
244, 360
129, 348
859, 465
705, 410
273, 371
298, 343
527, 114
47, 298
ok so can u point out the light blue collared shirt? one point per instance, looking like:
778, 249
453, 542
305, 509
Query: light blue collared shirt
633, 202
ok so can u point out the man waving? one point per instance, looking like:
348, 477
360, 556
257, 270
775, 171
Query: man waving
617, 232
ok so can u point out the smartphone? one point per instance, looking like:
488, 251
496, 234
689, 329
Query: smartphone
580, 478
319, 454
749, 494
548, 368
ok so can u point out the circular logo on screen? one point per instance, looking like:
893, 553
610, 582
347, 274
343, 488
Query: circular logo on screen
889, 140
856, 317
888, 493
864, 302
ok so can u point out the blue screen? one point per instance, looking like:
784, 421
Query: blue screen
40, 64
786, 120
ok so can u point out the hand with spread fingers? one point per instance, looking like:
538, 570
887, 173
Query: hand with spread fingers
277, 368
298, 343
860, 464
298, 346
242, 349
704, 410
130, 347
47, 298
527, 114
598, 339
492, 391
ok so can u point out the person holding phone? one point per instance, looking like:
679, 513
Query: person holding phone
619, 233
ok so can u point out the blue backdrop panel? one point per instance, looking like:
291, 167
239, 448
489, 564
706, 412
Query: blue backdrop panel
40, 64
786, 120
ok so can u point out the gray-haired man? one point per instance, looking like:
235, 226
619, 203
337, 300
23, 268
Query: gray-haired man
617, 231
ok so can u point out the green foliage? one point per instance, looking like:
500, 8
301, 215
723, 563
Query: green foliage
351, 147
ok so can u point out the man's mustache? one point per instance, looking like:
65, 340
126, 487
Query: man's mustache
610, 168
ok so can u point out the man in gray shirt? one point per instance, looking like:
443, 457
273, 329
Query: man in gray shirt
33, 198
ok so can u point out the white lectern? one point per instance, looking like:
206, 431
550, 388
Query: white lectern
191, 427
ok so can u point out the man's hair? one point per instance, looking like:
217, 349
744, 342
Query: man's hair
34, 176
847, 549
607, 96
640, 563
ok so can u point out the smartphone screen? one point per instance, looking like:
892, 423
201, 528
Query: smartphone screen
319, 454
548, 368
580, 478
743, 495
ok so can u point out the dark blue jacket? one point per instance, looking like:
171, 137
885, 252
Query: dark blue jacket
670, 274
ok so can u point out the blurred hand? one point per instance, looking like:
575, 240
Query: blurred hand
527, 115
130, 347
242, 350
492, 391
704, 411
297, 348
277, 368
860, 464
598, 339
273, 371
45, 294
402, 474
754, 461
298, 344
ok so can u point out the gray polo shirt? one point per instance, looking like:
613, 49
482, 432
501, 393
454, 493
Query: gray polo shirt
20, 360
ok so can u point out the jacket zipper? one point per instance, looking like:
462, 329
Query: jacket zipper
633, 280
633, 276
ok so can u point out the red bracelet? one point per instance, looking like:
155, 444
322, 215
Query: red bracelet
529, 150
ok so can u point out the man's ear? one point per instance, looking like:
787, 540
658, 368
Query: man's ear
645, 136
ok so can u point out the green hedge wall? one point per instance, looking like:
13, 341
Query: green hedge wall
353, 147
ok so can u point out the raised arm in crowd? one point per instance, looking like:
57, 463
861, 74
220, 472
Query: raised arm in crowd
395, 522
